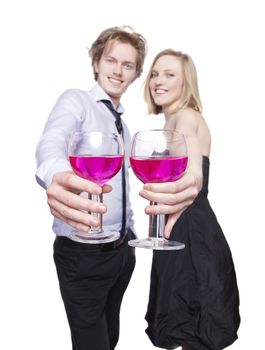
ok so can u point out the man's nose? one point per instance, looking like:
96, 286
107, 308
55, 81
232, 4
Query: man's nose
117, 69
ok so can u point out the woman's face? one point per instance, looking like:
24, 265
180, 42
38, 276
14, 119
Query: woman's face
166, 82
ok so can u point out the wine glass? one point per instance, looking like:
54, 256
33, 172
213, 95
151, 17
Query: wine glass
96, 156
158, 156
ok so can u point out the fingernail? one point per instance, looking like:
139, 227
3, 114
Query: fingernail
94, 223
142, 193
148, 210
101, 208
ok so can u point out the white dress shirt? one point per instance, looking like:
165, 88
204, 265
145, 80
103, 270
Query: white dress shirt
78, 110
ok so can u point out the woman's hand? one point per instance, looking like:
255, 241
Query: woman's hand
173, 197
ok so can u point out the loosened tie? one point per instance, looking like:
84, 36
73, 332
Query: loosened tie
118, 123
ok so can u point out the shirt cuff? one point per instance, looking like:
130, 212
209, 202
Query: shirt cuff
48, 169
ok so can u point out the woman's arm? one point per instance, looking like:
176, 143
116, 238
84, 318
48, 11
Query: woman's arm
175, 197
187, 122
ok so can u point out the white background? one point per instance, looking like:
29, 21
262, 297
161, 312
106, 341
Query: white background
43, 52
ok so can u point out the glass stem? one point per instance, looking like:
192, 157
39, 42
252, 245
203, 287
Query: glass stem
156, 224
98, 216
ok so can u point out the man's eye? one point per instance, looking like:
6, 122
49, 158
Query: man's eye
110, 60
129, 66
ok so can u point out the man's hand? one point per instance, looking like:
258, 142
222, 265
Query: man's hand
66, 203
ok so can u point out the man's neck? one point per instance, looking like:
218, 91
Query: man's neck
115, 101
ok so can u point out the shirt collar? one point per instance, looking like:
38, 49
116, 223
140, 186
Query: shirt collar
99, 94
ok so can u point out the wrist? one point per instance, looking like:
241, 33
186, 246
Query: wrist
197, 178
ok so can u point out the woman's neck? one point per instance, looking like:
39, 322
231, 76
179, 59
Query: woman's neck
170, 110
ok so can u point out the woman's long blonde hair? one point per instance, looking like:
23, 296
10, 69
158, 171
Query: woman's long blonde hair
190, 96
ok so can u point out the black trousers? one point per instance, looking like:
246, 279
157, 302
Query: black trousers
92, 283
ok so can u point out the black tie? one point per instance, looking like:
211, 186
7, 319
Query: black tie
119, 127
116, 114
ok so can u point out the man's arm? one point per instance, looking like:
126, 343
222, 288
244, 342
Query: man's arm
54, 171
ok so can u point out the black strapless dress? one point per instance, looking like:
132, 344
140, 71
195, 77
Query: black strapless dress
194, 297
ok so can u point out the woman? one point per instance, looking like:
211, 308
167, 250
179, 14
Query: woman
194, 300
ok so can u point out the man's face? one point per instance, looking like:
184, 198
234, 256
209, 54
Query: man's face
116, 69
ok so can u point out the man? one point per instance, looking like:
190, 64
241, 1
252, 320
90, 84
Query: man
93, 278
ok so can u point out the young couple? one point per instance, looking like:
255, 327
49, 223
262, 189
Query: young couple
198, 283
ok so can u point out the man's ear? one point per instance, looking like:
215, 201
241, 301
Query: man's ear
136, 76
95, 67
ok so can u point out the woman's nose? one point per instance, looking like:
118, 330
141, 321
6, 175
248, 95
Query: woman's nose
159, 80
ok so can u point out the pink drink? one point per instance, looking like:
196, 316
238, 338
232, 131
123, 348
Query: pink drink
99, 169
158, 169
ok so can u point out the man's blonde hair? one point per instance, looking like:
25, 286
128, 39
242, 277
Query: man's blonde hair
124, 34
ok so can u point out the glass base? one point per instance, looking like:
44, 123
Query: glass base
94, 238
156, 244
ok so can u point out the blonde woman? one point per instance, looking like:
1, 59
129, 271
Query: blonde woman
194, 300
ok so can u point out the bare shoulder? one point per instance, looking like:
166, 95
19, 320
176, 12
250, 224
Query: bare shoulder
189, 113
193, 117
188, 118
193, 124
